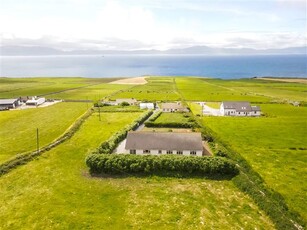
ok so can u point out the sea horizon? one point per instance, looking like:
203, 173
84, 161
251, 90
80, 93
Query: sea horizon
135, 65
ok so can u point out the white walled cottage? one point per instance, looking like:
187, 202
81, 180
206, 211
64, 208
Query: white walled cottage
239, 108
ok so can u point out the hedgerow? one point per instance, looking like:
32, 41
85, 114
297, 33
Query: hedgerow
170, 124
108, 146
187, 165
155, 116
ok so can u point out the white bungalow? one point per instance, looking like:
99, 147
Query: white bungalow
157, 143
147, 105
36, 101
239, 108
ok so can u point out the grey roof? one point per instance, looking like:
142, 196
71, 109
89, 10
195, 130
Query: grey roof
172, 106
7, 101
239, 106
164, 141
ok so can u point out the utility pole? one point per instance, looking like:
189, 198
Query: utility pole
99, 112
37, 140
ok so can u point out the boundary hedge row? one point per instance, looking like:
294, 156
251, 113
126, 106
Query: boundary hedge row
185, 125
149, 164
26, 157
107, 147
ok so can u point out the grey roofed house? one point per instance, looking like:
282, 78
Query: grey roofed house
9, 103
239, 106
164, 141
173, 107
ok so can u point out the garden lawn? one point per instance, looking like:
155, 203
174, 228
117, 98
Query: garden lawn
157, 89
56, 192
172, 117
18, 127
275, 146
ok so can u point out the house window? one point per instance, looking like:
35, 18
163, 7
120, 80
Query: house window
169, 152
193, 153
132, 151
160, 151
146, 151
179, 152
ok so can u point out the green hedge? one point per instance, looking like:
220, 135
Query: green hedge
170, 124
122, 163
108, 146
155, 116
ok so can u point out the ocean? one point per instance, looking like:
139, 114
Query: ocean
225, 67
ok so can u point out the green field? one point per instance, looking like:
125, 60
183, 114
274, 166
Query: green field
56, 192
275, 146
172, 117
157, 89
18, 128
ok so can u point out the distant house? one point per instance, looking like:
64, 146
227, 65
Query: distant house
147, 105
157, 143
131, 101
36, 101
239, 108
173, 107
9, 103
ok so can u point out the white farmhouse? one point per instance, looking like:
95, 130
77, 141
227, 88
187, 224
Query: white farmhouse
36, 101
239, 108
157, 143
147, 105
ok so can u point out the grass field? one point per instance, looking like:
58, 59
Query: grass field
172, 117
18, 128
61, 88
157, 88
56, 192
275, 146
252, 90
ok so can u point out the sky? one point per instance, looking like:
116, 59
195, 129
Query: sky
153, 24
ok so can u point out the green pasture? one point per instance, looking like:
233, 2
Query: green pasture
202, 89
275, 146
157, 89
56, 192
16, 87
252, 90
18, 127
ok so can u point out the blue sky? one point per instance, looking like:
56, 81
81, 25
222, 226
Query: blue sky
153, 24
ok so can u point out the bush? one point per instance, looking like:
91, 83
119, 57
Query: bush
170, 124
124, 103
122, 163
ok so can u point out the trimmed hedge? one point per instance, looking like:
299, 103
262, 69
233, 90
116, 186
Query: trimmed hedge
155, 116
170, 124
108, 146
122, 163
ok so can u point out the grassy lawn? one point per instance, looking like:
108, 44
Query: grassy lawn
275, 146
172, 117
56, 192
157, 88
18, 128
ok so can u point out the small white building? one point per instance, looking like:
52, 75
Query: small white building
239, 108
36, 101
173, 107
157, 143
147, 105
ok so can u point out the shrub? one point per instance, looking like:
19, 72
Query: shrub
122, 163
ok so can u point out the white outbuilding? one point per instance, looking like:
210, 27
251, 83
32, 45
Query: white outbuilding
36, 101
147, 105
